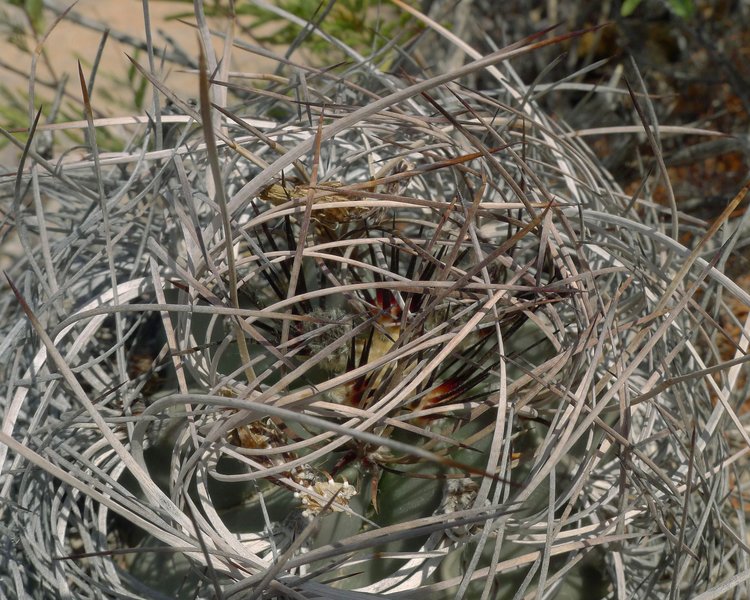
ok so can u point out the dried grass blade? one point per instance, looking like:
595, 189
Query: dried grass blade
213, 159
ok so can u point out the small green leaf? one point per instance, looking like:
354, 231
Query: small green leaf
628, 7
682, 8
35, 10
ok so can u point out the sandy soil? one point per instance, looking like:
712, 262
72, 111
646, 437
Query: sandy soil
67, 42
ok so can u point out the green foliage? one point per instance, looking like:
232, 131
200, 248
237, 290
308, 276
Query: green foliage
14, 116
13, 113
139, 84
34, 10
365, 26
682, 8
350, 21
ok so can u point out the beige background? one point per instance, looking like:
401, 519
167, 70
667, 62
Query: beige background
67, 42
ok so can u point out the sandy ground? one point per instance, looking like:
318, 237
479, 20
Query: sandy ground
67, 42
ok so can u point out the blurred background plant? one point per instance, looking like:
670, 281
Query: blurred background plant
339, 330
682, 8
365, 26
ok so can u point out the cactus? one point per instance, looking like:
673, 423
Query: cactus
359, 334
